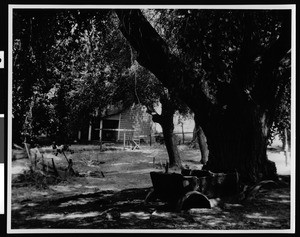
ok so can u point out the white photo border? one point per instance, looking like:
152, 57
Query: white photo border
11, 7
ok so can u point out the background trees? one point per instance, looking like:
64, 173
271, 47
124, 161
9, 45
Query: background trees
32, 39
65, 65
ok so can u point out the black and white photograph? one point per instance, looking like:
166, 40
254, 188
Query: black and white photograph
152, 119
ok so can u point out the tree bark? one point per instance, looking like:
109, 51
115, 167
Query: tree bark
153, 53
286, 146
237, 141
171, 145
202, 142
166, 122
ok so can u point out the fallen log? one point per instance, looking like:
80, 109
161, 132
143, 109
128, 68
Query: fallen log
16, 146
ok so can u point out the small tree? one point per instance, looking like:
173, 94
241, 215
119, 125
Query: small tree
141, 87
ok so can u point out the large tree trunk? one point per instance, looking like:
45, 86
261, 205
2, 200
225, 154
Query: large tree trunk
237, 141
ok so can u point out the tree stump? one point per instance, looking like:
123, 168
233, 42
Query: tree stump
177, 190
215, 184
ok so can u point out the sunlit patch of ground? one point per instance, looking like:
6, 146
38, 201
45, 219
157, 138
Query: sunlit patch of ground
116, 201
283, 164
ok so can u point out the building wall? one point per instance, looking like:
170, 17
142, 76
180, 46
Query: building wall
126, 122
138, 120
143, 125
135, 120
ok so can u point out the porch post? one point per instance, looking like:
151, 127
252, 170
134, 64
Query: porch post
119, 126
100, 130
124, 140
90, 131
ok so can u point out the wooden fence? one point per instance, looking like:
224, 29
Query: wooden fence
135, 140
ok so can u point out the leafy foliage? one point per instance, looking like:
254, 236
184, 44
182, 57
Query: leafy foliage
32, 39
212, 41
70, 64
282, 113
82, 58
228, 77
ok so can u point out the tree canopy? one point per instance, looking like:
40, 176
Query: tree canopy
225, 68
66, 63
230, 67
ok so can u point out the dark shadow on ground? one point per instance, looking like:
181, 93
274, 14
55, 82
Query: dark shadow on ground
126, 210
95, 210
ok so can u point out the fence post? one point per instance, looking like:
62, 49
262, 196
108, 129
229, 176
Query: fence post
182, 133
101, 142
124, 140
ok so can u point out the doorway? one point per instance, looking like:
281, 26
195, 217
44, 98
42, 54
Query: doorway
110, 136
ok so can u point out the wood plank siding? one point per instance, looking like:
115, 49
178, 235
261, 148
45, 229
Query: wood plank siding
134, 118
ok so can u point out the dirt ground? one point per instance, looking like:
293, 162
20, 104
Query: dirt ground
110, 195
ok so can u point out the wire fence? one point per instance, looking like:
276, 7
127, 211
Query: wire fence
181, 137
129, 137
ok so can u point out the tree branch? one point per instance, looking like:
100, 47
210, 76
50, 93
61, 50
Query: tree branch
248, 53
154, 54
151, 110
244, 67
157, 118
